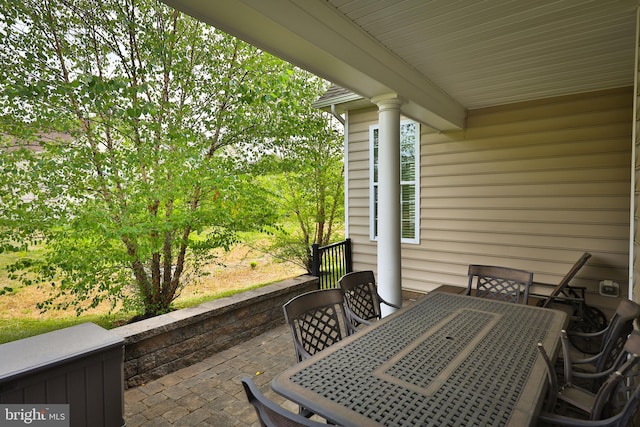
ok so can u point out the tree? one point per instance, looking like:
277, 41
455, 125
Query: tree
134, 110
307, 183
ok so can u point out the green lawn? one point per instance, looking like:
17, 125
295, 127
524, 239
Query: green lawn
25, 324
15, 329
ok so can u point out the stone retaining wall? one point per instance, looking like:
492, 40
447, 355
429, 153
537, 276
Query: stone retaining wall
160, 345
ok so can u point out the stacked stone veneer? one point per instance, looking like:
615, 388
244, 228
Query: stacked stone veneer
160, 345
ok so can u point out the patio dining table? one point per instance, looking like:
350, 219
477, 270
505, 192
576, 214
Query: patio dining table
447, 360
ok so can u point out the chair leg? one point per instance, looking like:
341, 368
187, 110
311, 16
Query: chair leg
553, 381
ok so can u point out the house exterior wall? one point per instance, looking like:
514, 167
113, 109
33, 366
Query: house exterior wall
530, 185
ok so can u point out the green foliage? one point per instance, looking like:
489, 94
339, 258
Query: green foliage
305, 177
127, 128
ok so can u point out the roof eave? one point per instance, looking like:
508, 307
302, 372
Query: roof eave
314, 36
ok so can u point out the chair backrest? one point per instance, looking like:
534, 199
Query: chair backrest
567, 278
500, 283
361, 295
317, 319
270, 414
620, 326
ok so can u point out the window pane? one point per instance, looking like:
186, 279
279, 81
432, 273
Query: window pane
408, 211
375, 156
407, 152
375, 210
409, 170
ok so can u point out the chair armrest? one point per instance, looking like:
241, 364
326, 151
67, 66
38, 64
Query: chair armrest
303, 353
587, 361
560, 420
570, 363
546, 285
587, 334
382, 300
562, 295
354, 318
575, 291
594, 375
558, 297
561, 298
531, 294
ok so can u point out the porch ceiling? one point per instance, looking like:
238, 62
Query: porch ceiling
442, 56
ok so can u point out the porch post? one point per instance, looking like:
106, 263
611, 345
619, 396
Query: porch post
389, 276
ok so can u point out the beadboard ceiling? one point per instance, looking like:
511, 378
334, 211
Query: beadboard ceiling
442, 56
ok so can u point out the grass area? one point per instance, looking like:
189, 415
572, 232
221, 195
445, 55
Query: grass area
8, 286
15, 329
241, 269
190, 302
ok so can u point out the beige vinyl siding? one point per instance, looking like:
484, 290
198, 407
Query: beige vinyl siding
364, 251
530, 185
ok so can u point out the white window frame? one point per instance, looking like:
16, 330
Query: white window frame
373, 185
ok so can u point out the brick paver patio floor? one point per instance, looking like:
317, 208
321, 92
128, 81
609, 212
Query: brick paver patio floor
209, 393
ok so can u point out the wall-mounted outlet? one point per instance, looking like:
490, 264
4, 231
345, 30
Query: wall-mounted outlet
609, 288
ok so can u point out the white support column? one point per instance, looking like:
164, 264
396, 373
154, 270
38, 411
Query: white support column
389, 276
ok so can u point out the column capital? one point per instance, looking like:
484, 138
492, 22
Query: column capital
388, 101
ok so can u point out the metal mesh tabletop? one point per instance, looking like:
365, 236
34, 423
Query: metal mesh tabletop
449, 360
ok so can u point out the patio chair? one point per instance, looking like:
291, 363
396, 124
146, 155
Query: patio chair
611, 342
317, 319
564, 293
270, 414
499, 283
615, 402
571, 299
362, 298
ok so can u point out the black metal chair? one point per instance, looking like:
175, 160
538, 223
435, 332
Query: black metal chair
318, 319
611, 341
362, 297
270, 414
499, 283
615, 402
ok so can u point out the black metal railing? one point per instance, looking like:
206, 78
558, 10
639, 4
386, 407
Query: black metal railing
331, 262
